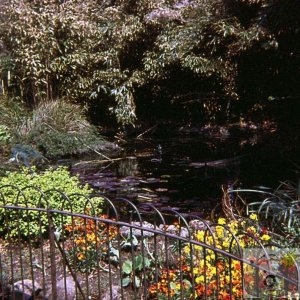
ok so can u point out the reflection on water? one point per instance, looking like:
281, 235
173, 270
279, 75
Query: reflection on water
127, 167
186, 174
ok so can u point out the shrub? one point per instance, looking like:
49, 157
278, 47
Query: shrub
59, 128
12, 112
55, 128
28, 223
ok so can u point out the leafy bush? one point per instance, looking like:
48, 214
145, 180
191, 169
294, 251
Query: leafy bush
56, 128
38, 191
59, 128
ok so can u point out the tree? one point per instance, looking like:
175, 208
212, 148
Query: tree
129, 56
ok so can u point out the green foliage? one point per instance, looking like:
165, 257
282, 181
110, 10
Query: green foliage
90, 241
110, 52
69, 49
56, 128
34, 194
4, 135
59, 128
132, 270
278, 210
12, 113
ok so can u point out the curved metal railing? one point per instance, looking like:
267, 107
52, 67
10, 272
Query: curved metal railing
58, 246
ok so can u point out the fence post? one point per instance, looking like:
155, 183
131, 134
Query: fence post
52, 256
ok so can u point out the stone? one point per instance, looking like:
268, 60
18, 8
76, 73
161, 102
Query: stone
25, 290
125, 230
199, 225
173, 229
66, 289
26, 155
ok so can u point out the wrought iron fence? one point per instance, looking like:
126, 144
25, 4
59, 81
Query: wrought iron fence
103, 249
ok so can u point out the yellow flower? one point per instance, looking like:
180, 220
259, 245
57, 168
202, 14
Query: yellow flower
251, 230
186, 250
198, 248
222, 221
213, 271
241, 243
80, 256
199, 279
211, 256
265, 237
220, 231
234, 227
226, 244
200, 236
253, 217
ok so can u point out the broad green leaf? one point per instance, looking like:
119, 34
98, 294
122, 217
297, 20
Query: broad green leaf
127, 267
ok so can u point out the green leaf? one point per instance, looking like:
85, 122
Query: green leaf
147, 262
126, 281
127, 267
138, 262
173, 286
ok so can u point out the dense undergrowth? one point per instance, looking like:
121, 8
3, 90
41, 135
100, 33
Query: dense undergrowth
57, 128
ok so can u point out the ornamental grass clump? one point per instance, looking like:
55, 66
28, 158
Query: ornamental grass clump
278, 209
56, 128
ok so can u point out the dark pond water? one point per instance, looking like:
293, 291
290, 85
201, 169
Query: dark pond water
186, 173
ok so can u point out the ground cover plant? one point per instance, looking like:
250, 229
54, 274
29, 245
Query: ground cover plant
90, 243
167, 267
205, 272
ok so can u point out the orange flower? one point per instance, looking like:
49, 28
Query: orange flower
80, 256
